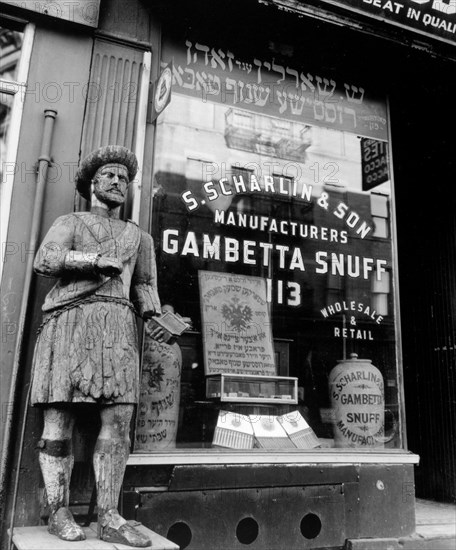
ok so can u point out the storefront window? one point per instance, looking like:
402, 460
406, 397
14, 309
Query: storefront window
273, 227
11, 42
16, 44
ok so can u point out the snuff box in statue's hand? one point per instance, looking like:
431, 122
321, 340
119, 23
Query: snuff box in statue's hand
172, 323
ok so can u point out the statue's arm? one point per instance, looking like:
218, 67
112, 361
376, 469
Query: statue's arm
57, 255
50, 259
144, 293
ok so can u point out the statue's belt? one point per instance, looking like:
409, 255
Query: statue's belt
89, 299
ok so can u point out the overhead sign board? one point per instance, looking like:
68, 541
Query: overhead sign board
83, 12
264, 86
432, 18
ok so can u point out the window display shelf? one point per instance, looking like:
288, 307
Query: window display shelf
261, 456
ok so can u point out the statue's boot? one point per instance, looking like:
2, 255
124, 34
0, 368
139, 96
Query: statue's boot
62, 524
112, 527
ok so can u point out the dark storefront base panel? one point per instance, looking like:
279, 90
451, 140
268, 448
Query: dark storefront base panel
274, 507
300, 517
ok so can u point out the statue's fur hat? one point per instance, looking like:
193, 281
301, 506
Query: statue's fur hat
109, 154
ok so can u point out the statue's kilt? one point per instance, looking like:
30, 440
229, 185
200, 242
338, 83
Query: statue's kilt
88, 354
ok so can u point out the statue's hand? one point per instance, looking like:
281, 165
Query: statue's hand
149, 314
188, 321
109, 266
159, 334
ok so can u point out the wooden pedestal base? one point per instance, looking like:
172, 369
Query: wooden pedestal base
38, 538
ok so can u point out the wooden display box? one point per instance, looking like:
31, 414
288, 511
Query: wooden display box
248, 388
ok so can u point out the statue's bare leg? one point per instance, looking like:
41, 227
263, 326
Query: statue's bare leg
56, 461
109, 462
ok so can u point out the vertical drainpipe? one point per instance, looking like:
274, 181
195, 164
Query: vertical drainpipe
44, 162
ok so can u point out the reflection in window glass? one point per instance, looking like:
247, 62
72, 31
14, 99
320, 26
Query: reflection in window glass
268, 241
11, 43
380, 227
381, 293
380, 215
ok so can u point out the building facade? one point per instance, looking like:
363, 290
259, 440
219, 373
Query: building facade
296, 165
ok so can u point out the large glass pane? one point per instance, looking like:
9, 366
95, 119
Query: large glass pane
272, 221
11, 43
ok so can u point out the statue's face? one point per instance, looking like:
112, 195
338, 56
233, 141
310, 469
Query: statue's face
110, 184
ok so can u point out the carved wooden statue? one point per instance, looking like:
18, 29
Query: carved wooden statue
87, 348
